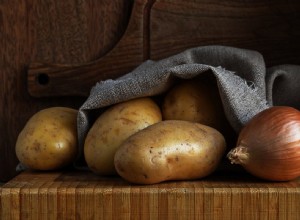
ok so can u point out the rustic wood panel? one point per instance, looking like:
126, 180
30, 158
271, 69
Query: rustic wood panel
270, 27
83, 195
69, 31
158, 29
128, 53
75, 31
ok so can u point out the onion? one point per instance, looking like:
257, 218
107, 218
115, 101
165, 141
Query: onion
268, 146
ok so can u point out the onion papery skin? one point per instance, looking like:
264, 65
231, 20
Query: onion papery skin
268, 146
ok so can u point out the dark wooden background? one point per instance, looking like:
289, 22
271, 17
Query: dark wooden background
76, 32
54, 31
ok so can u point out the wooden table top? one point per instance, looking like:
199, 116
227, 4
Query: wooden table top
83, 195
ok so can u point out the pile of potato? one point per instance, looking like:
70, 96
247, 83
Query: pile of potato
144, 141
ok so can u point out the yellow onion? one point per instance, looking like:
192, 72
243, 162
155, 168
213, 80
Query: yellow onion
268, 146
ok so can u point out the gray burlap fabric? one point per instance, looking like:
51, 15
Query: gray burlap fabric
245, 86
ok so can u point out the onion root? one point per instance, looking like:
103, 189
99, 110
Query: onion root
238, 155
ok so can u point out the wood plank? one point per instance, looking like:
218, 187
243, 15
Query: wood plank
83, 195
270, 27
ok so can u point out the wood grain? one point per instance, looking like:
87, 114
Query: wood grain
75, 31
270, 27
69, 31
167, 27
127, 54
83, 195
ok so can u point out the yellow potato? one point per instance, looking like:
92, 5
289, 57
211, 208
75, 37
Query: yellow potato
113, 127
170, 150
194, 100
49, 139
198, 100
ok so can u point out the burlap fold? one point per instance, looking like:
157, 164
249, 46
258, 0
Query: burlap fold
245, 86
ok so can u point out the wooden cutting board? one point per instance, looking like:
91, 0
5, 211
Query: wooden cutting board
83, 195
161, 28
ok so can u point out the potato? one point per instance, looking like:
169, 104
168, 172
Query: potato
198, 100
49, 139
170, 150
194, 100
113, 127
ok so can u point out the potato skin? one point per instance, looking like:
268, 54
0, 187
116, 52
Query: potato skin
170, 150
113, 127
198, 100
194, 100
49, 139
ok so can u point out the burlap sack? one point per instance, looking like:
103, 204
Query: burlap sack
245, 86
